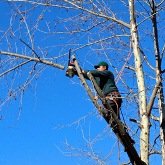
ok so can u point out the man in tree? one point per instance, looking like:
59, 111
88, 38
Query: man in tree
109, 91
105, 80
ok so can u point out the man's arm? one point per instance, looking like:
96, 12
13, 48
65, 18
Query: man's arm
85, 74
105, 74
96, 73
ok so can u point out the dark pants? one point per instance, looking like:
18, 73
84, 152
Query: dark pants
114, 101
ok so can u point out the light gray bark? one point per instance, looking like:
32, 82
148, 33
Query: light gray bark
144, 136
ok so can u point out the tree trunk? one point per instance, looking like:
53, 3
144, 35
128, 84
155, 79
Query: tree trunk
162, 121
144, 136
159, 78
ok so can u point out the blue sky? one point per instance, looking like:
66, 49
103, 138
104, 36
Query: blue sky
55, 110
39, 134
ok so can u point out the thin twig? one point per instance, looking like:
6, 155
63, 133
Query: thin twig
30, 48
6, 72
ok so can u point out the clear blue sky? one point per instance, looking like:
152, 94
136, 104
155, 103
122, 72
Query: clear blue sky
55, 111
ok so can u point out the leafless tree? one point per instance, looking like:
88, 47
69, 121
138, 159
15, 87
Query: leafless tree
128, 34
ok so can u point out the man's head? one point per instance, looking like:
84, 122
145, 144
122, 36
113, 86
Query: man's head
101, 66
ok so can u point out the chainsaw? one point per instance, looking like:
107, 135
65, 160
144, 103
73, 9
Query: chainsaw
71, 71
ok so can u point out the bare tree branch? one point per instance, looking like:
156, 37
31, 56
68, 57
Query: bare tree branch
6, 72
152, 98
155, 152
155, 118
46, 62
41, 3
162, 53
158, 5
100, 14
130, 67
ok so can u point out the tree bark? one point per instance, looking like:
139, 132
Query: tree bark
144, 135
158, 78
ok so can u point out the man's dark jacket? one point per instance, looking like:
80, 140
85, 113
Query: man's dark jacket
104, 79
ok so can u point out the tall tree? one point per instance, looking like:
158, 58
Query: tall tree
128, 34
